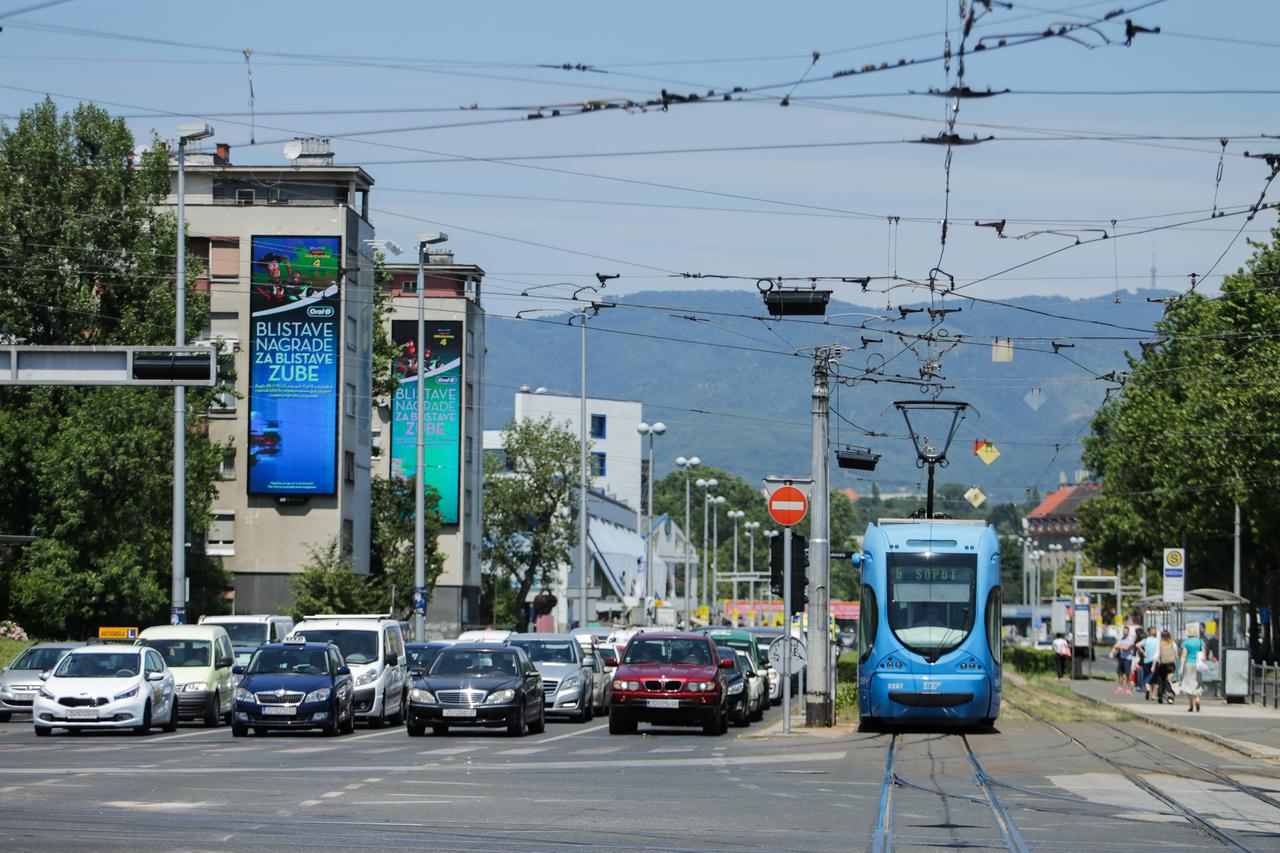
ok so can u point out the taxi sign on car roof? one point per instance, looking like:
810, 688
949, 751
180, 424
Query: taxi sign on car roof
117, 633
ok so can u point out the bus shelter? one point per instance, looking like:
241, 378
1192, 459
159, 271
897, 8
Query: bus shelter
1223, 619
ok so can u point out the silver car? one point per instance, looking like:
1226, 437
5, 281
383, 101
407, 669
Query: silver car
567, 678
20, 681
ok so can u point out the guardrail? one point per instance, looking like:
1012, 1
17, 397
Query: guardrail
1264, 684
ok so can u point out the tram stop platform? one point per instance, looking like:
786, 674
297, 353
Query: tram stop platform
1249, 729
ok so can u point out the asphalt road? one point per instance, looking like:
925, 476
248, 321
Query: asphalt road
578, 788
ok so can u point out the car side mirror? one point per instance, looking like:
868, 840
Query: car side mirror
155, 676
237, 670
610, 661
417, 671
392, 659
726, 663
342, 670
44, 676
223, 663
589, 660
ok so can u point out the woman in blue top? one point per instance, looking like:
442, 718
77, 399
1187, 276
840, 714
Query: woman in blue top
1189, 680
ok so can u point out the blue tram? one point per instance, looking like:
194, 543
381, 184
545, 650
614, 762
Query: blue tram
929, 629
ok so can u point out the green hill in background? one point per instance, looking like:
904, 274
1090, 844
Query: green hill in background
729, 390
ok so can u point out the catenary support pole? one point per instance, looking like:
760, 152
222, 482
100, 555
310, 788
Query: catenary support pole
818, 700
178, 599
420, 451
786, 630
584, 554
1235, 565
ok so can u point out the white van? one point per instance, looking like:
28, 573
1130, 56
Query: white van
373, 648
247, 632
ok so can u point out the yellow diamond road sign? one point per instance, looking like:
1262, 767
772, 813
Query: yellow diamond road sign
975, 496
988, 452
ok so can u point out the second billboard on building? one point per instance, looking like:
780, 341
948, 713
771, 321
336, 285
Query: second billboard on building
442, 367
294, 303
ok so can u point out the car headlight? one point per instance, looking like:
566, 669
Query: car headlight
45, 694
701, 686
128, 694
498, 697
417, 694
367, 677
626, 685
193, 687
321, 695
735, 688
571, 681
243, 695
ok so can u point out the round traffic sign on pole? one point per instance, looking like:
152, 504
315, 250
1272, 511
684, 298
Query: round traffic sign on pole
788, 505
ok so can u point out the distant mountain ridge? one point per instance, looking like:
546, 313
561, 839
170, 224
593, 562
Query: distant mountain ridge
724, 379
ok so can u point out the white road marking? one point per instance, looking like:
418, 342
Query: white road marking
302, 750
575, 733
309, 803
448, 750
167, 737
597, 750
672, 749
443, 782
374, 779
353, 786
523, 750
329, 795
394, 730
148, 806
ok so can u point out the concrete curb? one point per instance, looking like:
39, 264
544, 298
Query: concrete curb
1240, 747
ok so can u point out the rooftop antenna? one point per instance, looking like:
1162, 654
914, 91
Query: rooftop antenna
930, 450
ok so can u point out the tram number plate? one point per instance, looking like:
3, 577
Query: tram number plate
931, 685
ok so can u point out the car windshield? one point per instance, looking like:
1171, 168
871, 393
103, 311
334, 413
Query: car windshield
474, 662
99, 665
422, 656
931, 600
182, 652
302, 661
671, 651
745, 646
356, 646
245, 633
547, 651
38, 659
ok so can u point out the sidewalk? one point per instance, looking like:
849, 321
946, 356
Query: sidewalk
1251, 730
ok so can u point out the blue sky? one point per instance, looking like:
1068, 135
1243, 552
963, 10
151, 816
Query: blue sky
783, 211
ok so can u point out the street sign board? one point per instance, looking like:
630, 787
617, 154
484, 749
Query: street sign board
788, 505
117, 633
778, 651
1175, 567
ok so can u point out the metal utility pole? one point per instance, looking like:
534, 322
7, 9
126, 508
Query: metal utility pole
786, 629
420, 427
687, 465
649, 588
178, 591
1235, 565
713, 609
584, 553
819, 703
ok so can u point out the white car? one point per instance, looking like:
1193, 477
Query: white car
106, 687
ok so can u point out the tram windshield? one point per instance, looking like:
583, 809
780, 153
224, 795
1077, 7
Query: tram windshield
931, 600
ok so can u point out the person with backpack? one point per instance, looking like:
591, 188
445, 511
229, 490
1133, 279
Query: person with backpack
1166, 660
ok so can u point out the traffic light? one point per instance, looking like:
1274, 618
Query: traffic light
799, 562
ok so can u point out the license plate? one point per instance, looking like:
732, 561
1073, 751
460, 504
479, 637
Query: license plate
82, 714
459, 712
662, 703
279, 711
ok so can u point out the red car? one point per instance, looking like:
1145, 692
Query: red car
669, 680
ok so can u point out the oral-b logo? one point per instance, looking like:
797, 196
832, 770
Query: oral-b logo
320, 311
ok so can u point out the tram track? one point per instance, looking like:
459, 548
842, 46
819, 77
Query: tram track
1193, 817
883, 839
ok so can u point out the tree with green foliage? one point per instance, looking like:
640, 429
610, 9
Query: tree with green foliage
530, 509
328, 584
1192, 434
89, 259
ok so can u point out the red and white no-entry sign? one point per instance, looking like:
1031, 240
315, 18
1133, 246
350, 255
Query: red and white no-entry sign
788, 505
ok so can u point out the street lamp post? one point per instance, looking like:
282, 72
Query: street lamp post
751, 527
650, 430
420, 482
770, 535
192, 132
687, 465
735, 514
706, 486
713, 609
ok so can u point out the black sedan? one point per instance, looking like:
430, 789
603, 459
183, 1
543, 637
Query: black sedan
737, 689
478, 685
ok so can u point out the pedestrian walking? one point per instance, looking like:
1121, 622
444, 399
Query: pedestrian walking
1150, 649
1191, 667
1062, 653
1166, 661
1122, 654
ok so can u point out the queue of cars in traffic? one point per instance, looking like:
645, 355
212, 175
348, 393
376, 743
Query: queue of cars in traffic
260, 674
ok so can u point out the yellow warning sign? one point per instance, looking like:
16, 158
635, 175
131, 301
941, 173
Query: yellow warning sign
975, 496
987, 452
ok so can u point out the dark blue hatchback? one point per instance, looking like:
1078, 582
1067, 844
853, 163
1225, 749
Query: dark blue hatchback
294, 685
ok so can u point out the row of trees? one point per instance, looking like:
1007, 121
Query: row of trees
1193, 434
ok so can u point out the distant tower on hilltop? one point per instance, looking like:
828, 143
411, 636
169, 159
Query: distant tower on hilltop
1153, 269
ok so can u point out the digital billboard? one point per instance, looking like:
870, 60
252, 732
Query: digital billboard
442, 361
294, 307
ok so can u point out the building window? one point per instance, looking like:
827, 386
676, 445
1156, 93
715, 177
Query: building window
349, 466
376, 436
224, 259
467, 502
349, 400
597, 426
597, 464
223, 403
228, 469
468, 445
471, 342
244, 196
352, 333
348, 536
221, 541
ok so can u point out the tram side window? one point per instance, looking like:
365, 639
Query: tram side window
868, 618
993, 626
